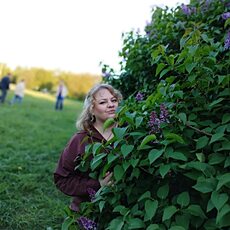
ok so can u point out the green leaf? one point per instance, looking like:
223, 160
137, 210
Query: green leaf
154, 154
163, 191
215, 102
126, 149
205, 185
196, 210
101, 205
225, 210
135, 223
96, 148
144, 196
150, 209
160, 66
118, 172
121, 209
223, 180
202, 142
177, 227
227, 22
153, 227
171, 59
183, 199
67, 223
97, 160
116, 224
111, 157
164, 72
119, 132
227, 162
190, 66
216, 158
108, 123
134, 162
138, 121
174, 137
164, 169
146, 140
218, 199
178, 156
169, 212
183, 117
200, 157
225, 118
216, 137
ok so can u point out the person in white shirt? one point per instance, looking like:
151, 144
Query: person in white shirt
60, 95
19, 92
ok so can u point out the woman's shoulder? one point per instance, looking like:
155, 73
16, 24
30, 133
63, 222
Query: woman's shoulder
80, 135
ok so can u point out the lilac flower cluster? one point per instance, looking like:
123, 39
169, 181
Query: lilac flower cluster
164, 114
105, 75
139, 96
155, 122
226, 15
87, 224
227, 41
188, 10
91, 193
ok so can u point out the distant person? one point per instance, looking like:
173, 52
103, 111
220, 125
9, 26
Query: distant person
5, 86
19, 92
60, 95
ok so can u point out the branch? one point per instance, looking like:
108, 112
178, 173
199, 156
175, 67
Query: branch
198, 130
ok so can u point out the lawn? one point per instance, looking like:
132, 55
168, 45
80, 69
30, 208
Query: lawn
32, 136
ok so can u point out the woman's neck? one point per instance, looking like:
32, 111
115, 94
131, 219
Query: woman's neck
106, 133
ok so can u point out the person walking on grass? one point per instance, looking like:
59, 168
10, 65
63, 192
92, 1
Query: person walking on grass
19, 92
5, 86
100, 104
60, 95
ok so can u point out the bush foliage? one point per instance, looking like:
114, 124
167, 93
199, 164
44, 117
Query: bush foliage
170, 152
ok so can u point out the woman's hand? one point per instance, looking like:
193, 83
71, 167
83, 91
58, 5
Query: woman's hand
107, 180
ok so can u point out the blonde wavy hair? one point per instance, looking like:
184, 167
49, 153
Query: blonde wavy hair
86, 119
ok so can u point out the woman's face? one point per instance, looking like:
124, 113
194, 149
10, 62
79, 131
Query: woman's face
105, 105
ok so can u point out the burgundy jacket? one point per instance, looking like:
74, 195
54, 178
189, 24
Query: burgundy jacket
73, 182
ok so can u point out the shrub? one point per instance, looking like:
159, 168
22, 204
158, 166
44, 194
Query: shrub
170, 152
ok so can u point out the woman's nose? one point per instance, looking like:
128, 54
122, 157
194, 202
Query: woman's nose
110, 104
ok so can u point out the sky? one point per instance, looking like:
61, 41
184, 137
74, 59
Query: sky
70, 35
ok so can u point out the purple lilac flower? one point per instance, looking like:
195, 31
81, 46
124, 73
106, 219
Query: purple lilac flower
208, 2
186, 10
139, 96
106, 75
227, 41
226, 15
87, 224
91, 193
154, 122
164, 114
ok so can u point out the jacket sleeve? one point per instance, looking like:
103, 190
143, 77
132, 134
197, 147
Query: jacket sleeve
68, 180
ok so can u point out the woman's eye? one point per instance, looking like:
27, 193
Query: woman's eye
114, 100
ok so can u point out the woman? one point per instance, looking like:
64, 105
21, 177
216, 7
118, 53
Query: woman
100, 104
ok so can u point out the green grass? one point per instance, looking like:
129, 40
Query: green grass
32, 136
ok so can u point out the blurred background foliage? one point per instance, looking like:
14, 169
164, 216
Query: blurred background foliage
47, 80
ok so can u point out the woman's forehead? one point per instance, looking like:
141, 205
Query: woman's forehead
103, 93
